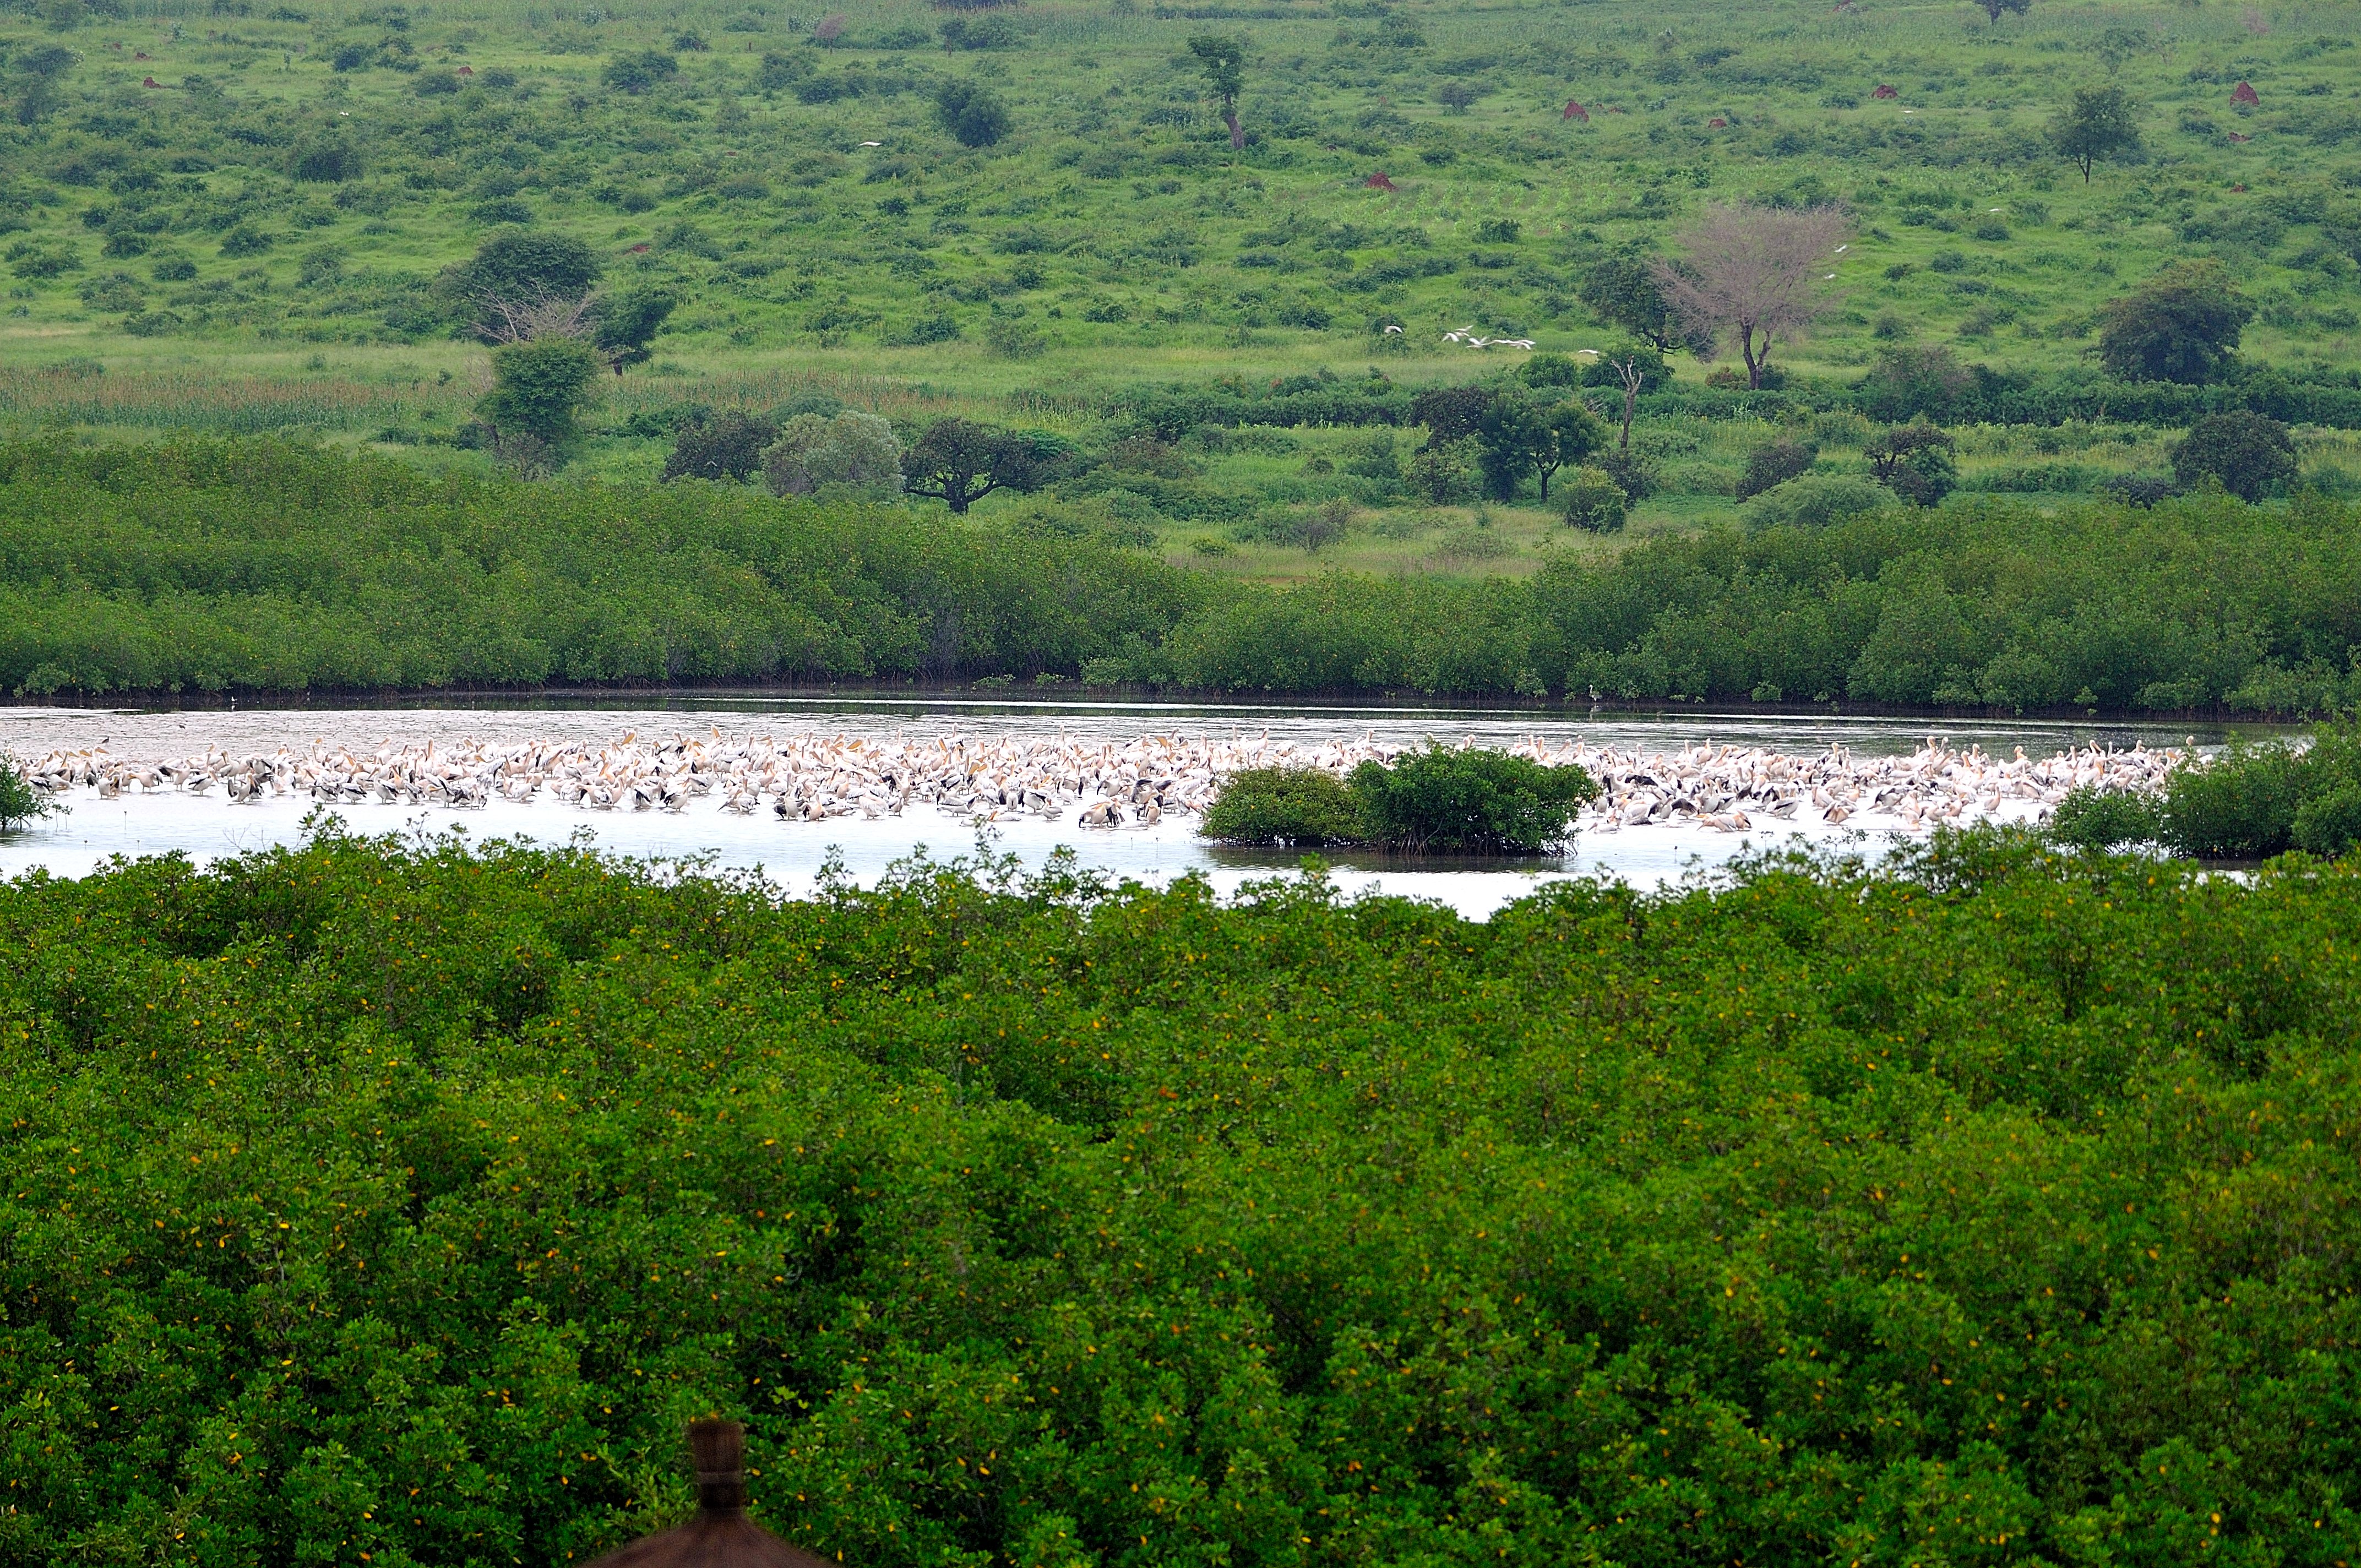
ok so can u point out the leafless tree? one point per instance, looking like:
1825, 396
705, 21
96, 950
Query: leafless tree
1633, 376
1754, 272
546, 315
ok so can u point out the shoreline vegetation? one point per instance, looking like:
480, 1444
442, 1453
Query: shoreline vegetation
254, 566
359, 1194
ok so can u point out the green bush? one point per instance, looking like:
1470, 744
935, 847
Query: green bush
2249, 454
2094, 818
2241, 806
1284, 805
1471, 801
20, 802
1773, 464
1815, 500
2329, 824
1589, 500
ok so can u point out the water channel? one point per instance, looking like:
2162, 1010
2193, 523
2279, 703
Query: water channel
207, 826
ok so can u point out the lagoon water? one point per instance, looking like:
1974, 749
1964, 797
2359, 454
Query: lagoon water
792, 854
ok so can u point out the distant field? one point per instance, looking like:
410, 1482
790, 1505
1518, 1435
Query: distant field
251, 244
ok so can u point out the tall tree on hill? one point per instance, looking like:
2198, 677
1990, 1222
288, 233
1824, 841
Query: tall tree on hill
1754, 272
1223, 58
2098, 124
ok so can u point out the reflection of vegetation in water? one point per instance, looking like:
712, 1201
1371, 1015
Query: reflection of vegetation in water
1093, 1181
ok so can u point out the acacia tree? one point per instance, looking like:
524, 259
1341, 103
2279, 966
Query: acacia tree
1754, 272
1624, 291
961, 463
2098, 124
1223, 58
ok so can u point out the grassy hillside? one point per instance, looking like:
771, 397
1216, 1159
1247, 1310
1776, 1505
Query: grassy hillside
253, 242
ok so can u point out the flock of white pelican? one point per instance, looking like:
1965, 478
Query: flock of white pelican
814, 777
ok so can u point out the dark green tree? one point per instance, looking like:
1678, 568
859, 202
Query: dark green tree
961, 463
1223, 57
1511, 437
20, 802
726, 447
623, 325
2099, 124
2249, 454
1773, 464
1913, 383
1622, 290
1308, 806
638, 72
970, 113
540, 388
2183, 324
1575, 435
518, 269
1470, 801
1450, 414
1915, 462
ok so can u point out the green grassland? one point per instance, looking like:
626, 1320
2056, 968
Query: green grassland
252, 244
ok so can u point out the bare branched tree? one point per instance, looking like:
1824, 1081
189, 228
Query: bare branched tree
544, 315
1753, 273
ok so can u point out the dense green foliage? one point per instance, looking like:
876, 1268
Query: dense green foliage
2245, 454
215, 568
1307, 807
2249, 802
263, 567
1470, 801
2183, 324
1438, 800
20, 803
404, 1203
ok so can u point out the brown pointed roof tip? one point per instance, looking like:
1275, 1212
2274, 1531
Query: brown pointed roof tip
721, 1536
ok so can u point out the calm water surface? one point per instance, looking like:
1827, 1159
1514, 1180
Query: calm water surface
206, 827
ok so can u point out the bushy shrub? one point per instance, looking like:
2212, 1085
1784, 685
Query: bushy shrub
20, 802
1591, 500
1470, 801
1815, 500
853, 449
2094, 818
1913, 383
1915, 462
1309, 806
1775, 462
728, 447
2250, 454
2329, 824
2255, 801
2241, 806
540, 387
970, 113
